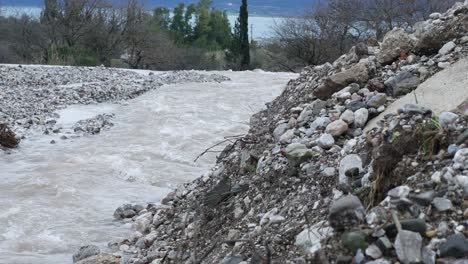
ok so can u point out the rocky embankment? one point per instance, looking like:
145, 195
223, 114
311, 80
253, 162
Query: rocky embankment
31, 95
311, 183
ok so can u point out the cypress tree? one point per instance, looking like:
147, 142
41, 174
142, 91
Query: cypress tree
244, 35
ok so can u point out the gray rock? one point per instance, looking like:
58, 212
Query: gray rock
318, 122
355, 105
287, 136
279, 130
402, 83
447, 118
347, 210
447, 48
86, 252
349, 162
416, 109
337, 128
232, 260
424, 198
347, 116
456, 246
326, 141
462, 181
297, 153
379, 261
408, 247
428, 255
360, 117
395, 43
377, 100
442, 204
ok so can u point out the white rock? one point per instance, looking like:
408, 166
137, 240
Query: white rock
447, 118
349, 162
408, 246
309, 239
447, 48
360, 117
373, 251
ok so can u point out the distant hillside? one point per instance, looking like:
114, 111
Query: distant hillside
260, 7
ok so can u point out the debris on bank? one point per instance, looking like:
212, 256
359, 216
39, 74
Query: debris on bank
311, 184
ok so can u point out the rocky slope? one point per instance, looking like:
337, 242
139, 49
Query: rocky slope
307, 185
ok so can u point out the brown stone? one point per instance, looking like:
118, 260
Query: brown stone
376, 85
7, 137
356, 74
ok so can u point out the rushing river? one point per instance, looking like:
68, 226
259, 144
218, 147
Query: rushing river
56, 197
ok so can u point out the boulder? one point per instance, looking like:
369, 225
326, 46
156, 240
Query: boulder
347, 116
356, 74
349, 162
345, 212
402, 83
7, 137
395, 43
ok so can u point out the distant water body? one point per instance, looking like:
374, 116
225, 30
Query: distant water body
263, 26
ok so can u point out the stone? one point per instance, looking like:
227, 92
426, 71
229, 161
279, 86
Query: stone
399, 192
329, 172
402, 83
347, 116
424, 198
443, 65
384, 244
376, 85
287, 137
101, 259
297, 153
408, 247
337, 128
379, 261
326, 141
373, 251
447, 48
355, 105
416, 109
349, 162
442, 204
377, 100
360, 117
462, 181
304, 116
318, 122
461, 157
395, 43
414, 225
7, 137
356, 74
428, 255
309, 239
124, 211
447, 118
353, 241
455, 246
232, 260
346, 211
86, 252
279, 130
